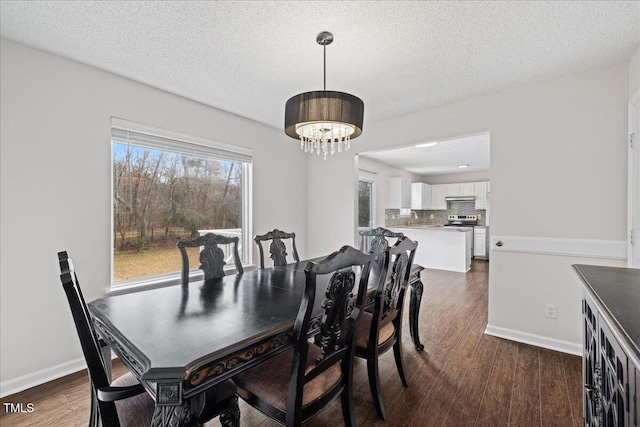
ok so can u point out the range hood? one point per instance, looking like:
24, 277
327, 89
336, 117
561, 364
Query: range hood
460, 198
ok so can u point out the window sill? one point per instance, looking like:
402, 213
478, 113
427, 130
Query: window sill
164, 281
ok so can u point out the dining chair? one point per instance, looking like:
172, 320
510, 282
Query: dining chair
124, 402
296, 384
212, 258
277, 248
375, 240
380, 330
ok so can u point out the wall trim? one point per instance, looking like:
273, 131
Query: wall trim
589, 248
37, 378
537, 340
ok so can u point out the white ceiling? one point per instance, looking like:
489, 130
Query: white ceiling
249, 57
440, 159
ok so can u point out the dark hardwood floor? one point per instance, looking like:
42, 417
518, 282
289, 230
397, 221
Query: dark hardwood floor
462, 378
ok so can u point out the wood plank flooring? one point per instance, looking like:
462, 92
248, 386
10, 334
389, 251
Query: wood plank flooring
463, 378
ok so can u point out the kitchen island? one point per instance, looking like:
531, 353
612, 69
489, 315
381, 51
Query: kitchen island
442, 248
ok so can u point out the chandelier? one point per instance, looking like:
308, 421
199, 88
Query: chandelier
324, 120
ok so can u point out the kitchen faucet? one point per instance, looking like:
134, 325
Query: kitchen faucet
412, 215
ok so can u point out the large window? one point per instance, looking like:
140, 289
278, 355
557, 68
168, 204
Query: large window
366, 199
365, 204
167, 187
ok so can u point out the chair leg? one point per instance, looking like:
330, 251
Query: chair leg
397, 353
348, 412
93, 418
231, 417
374, 385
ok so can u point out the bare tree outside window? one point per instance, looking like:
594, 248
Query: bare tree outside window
365, 204
162, 196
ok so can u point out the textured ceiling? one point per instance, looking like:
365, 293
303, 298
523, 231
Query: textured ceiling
249, 57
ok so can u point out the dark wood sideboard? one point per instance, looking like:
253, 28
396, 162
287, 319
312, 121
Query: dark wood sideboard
611, 345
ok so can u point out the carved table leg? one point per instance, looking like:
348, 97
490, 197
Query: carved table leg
231, 417
414, 309
171, 411
171, 416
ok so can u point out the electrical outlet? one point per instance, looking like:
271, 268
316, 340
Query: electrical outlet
430, 216
550, 311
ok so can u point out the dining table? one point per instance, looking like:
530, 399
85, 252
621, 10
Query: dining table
179, 341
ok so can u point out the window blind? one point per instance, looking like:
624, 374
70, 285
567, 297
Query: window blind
367, 175
145, 136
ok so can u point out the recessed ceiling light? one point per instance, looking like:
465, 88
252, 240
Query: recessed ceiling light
463, 166
426, 144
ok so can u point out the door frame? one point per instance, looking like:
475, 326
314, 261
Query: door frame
633, 186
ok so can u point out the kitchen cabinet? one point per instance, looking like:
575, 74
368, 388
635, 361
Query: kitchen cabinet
452, 190
438, 193
441, 248
479, 242
399, 193
420, 196
467, 189
611, 345
460, 189
481, 192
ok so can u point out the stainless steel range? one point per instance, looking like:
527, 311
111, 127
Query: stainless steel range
462, 221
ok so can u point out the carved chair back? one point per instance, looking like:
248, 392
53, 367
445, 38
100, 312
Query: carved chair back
212, 258
277, 248
221, 401
89, 342
337, 314
389, 296
375, 240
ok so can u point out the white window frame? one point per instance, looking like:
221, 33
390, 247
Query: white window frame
198, 143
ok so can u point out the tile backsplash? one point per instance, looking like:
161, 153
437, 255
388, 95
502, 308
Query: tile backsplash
392, 216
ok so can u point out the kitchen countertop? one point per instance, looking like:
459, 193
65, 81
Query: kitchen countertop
617, 290
433, 228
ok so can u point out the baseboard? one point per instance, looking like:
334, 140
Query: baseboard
590, 248
537, 340
34, 379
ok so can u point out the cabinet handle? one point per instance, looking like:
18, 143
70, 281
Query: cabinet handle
499, 243
593, 393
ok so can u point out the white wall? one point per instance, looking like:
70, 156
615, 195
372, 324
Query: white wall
383, 173
55, 189
558, 170
634, 73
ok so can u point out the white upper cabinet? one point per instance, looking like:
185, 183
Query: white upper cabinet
460, 189
452, 190
438, 193
432, 197
467, 189
420, 196
399, 193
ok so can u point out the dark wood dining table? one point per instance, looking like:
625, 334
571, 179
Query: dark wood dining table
181, 340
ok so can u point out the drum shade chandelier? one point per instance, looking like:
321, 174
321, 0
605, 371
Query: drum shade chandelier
324, 120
